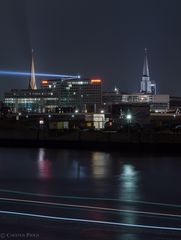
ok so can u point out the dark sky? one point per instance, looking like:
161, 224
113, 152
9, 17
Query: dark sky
103, 38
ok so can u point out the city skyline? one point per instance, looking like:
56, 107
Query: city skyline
90, 119
88, 39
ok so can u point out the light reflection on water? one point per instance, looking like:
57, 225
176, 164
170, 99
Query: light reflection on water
44, 165
129, 182
150, 178
101, 165
129, 190
77, 171
95, 165
89, 174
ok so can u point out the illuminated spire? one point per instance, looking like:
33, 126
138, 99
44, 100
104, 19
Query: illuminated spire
32, 83
147, 86
145, 82
145, 65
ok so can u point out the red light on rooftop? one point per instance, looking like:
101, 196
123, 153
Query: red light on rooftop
96, 81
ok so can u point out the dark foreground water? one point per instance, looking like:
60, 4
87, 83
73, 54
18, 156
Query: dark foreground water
71, 194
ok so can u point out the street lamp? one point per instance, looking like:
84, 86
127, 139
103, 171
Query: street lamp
41, 125
41, 122
129, 117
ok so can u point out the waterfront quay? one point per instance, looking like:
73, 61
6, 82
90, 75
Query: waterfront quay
37, 132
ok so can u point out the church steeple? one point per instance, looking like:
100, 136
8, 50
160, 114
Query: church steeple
145, 65
32, 82
146, 83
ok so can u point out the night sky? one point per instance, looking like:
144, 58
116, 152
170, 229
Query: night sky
93, 38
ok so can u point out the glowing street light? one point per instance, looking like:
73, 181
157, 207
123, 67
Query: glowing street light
129, 117
41, 122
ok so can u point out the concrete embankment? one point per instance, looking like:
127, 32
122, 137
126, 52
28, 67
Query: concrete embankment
119, 141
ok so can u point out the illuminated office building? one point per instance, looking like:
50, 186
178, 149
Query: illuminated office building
82, 94
34, 101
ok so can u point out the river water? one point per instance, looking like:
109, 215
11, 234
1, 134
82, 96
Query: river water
143, 186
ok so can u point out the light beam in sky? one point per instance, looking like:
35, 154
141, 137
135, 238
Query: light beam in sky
16, 73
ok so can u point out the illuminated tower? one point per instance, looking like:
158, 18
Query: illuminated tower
32, 82
146, 83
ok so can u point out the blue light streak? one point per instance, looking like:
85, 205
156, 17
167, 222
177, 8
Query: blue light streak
80, 220
15, 73
89, 207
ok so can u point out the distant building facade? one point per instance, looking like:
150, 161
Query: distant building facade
28, 100
113, 97
78, 120
82, 94
175, 102
157, 103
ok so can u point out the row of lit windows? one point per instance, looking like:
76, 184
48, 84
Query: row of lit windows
82, 88
76, 83
27, 94
30, 99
